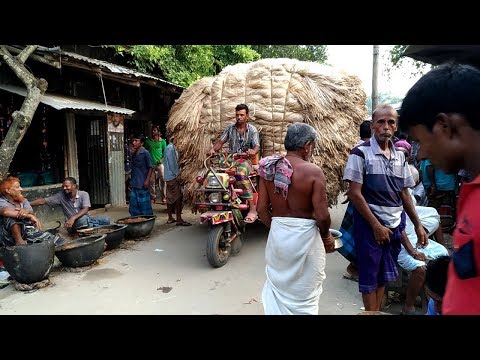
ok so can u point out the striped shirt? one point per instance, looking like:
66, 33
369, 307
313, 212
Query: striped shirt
170, 162
240, 143
70, 206
383, 179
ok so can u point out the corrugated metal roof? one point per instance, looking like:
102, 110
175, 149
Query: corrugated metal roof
438, 54
114, 68
60, 102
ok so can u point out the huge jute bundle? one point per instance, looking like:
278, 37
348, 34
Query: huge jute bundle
278, 92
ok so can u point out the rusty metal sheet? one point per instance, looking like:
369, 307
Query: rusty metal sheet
60, 102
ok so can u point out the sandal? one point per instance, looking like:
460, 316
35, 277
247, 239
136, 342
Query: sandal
250, 219
184, 223
171, 221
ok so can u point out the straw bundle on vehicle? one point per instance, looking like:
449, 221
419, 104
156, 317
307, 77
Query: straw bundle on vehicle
278, 92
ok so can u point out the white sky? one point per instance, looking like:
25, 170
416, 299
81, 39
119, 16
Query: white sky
358, 60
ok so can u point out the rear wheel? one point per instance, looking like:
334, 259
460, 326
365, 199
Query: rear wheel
218, 248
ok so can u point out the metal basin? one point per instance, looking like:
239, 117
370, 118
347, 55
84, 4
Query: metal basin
115, 233
29, 263
82, 251
137, 229
337, 235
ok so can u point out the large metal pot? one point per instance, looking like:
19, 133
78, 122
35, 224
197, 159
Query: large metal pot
82, 251
29, 263
137, 229
115, 233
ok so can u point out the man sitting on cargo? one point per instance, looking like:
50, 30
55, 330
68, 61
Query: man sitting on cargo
18, 224
75, 205
242, 137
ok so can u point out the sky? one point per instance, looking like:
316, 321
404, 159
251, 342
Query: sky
358, 60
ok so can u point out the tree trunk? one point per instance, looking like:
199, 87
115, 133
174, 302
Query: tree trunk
23, 117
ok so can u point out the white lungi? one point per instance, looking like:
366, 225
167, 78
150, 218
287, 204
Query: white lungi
295, 267
431, 221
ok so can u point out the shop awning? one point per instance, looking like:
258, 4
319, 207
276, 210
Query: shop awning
61, 102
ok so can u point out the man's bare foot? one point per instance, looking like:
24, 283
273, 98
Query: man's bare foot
251, 217
352, 272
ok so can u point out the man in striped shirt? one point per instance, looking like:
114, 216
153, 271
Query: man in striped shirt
75, 204
242, 137
379, 180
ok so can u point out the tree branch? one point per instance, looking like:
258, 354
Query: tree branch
23, 56
21, 121
23, 117
21, 71
46, 59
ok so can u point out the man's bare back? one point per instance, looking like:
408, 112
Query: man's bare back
306, 194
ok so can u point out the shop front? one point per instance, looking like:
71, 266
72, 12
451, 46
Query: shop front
67, 137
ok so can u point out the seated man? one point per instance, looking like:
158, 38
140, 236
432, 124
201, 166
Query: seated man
412, 257
418, 190
75, 205
242, 137
435, 283
18, 225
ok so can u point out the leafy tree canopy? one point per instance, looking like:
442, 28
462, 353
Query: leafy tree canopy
398, 60
184, 64
317, 53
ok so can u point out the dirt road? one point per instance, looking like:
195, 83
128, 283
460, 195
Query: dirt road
169, 274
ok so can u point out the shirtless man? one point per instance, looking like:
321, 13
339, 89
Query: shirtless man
299, 224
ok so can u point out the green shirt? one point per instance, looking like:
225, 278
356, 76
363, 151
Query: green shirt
156, 149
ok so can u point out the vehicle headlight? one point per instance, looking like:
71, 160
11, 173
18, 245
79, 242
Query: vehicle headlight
213, 182
215, 197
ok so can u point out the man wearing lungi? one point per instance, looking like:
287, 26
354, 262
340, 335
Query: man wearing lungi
299, 223
346, 228
142, 168
18, 224
379, 180
242, 137
174, 186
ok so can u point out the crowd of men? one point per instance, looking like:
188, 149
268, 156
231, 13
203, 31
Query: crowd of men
387, 226
403, 194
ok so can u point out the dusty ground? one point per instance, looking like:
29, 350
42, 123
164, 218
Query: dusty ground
168, 273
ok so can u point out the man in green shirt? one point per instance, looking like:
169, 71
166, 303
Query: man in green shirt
156, 146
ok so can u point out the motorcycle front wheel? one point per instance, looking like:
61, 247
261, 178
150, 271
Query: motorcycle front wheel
218, 249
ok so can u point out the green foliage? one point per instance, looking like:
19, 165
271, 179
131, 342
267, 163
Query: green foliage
317, 53
184, 64
233, 54
397, 60
179, 64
